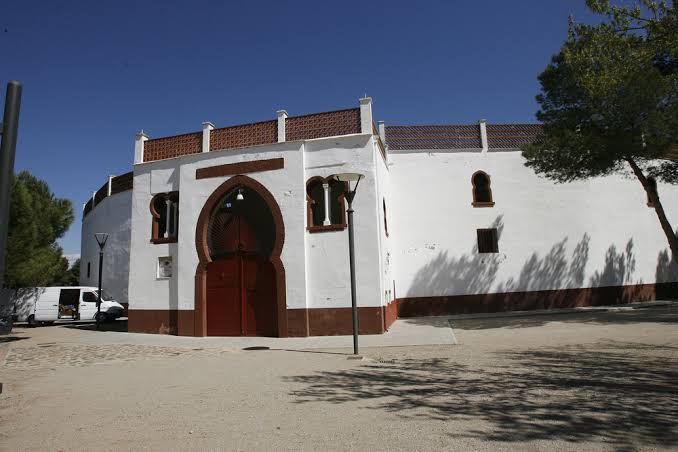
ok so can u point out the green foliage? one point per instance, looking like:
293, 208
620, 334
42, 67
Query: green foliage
71, 277
611, 94
37, 219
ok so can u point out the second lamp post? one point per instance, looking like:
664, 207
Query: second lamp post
101, 240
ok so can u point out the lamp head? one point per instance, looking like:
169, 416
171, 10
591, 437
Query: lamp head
348, 177
101, 237
239, 196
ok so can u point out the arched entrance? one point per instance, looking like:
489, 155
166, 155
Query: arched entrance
240, 282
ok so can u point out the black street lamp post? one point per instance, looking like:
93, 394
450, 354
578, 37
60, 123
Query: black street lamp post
9, 129
101, 237
350, 194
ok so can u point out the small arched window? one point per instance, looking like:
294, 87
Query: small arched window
653, 184
385, 220
165, 214
322, 215
482, 192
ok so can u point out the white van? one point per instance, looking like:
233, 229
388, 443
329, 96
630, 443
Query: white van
38, 305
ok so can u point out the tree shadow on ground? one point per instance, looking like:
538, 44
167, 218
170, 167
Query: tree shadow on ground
663, 315
622, 394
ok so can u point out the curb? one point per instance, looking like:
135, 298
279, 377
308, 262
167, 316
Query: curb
545, 312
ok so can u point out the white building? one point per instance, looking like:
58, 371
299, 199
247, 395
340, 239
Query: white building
241, 230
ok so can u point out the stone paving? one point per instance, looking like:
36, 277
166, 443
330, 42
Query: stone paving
52, 355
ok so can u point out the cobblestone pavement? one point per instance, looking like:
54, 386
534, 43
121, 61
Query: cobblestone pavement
52, 355
58, 346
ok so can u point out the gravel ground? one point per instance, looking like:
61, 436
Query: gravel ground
590, 381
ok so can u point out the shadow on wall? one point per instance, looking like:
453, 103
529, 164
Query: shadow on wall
623, 395
667, 269
475, 273
23, 301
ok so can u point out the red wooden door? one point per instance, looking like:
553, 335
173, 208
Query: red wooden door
259, 292
241, 297
224, 309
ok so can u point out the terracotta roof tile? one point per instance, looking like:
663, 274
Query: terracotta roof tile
511, 135
433, 137
459, 136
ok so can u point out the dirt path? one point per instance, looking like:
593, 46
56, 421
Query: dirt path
581, 382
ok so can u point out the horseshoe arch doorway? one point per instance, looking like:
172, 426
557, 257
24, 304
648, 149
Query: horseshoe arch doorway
240, 237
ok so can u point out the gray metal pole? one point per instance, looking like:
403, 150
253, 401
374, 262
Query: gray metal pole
101, 264
354, 303
10, 129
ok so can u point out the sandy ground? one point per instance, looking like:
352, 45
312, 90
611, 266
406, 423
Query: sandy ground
592, 381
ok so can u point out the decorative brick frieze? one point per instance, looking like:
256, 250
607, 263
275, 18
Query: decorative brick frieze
319, 125
307, 127
511, 135
244, 135
169, 147
433, 137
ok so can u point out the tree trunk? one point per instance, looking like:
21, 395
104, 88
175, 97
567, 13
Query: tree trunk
653, 196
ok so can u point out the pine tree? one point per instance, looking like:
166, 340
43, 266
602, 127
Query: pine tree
609, 101
37, 219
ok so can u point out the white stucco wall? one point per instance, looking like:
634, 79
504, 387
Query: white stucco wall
327, 254
591, 233
286, 185
316, 265
113, 216
385, 254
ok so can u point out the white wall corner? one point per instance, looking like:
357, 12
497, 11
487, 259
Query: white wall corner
207, 127
382, 132
282, 116
139, 141
110, 183
366, 115
483, 135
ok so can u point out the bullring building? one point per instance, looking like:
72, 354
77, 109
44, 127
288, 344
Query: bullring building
241, 229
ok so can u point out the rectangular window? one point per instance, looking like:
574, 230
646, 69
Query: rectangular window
488, 241
88, 269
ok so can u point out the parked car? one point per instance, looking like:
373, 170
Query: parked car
37, 305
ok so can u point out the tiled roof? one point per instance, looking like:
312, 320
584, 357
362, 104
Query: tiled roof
459, 136
511, 135
433, 137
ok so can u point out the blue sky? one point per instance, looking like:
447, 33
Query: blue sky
94, 73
